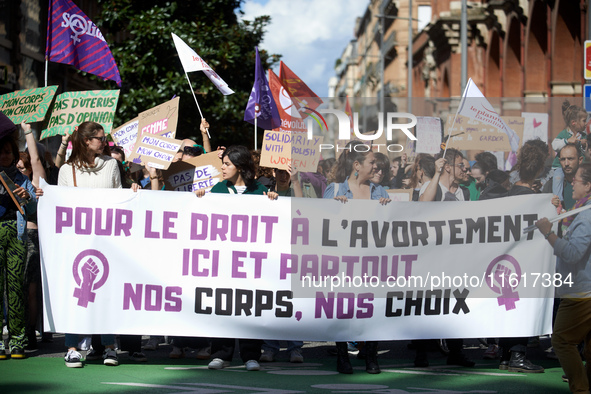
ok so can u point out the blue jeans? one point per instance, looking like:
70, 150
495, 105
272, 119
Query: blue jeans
273, 346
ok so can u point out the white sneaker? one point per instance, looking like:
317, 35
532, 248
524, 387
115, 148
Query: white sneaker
295, 356
73, 359
110, 357
152, 344
218, 363
252, 365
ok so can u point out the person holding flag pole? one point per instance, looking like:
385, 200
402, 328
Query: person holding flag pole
261, 103
191, 61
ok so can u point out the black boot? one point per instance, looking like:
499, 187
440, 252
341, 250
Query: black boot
518, 363
343, 363
371, 358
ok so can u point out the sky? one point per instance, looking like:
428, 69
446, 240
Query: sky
310, 34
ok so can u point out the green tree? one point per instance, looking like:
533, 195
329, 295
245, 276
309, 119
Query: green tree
139, 34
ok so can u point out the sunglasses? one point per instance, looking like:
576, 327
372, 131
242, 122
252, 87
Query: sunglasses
102, 139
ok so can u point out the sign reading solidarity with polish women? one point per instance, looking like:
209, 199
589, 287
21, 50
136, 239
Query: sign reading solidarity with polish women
160, 262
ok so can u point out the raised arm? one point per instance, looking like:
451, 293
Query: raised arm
204, 127
38, 170
431, 190
60, 159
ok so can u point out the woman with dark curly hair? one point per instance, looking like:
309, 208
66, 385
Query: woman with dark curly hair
530, 164
238, 172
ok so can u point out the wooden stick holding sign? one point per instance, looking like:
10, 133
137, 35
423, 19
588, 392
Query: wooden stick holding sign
10, 186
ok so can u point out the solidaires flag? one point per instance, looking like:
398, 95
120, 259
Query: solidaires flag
261, 104
72, 38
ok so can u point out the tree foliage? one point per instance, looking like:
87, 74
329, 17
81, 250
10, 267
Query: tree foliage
139, 34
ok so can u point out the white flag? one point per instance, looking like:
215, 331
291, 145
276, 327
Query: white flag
191, 61
475, 106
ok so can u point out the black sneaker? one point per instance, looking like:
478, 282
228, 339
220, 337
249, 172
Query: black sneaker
110, 357
18, 353
460, 359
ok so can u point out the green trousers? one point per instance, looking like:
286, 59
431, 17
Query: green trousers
12, 280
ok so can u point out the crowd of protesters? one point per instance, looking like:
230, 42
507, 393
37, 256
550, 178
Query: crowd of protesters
560, 170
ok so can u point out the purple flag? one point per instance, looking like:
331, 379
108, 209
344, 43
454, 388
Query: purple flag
261, 103
72, 38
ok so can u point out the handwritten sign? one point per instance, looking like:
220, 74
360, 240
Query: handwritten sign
126, 135
428, 131
535, 126
160, 120
281, 148
29, 105
470, 134
72, 108
400, 194
154, 150
201, 172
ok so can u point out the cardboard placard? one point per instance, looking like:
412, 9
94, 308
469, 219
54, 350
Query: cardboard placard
29, 105
428, 132
282, 148
160, 120
72, 108
536, 126
154, 150
400, 194
201, 172
471, 134
126, 135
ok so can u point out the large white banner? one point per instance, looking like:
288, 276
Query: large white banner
169, 263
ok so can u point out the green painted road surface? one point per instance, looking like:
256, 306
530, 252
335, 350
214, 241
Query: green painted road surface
44, 372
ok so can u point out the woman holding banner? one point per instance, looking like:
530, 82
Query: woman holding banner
573, 263
354, 173
89, 167
238, 172
17, 200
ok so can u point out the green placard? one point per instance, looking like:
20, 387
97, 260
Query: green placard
73, 108
29, 105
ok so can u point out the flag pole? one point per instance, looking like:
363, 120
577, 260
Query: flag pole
255, 132
455, 116
46, 61
196, 102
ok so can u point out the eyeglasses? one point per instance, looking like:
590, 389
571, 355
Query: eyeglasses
102, 139
578, 180
461, 166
